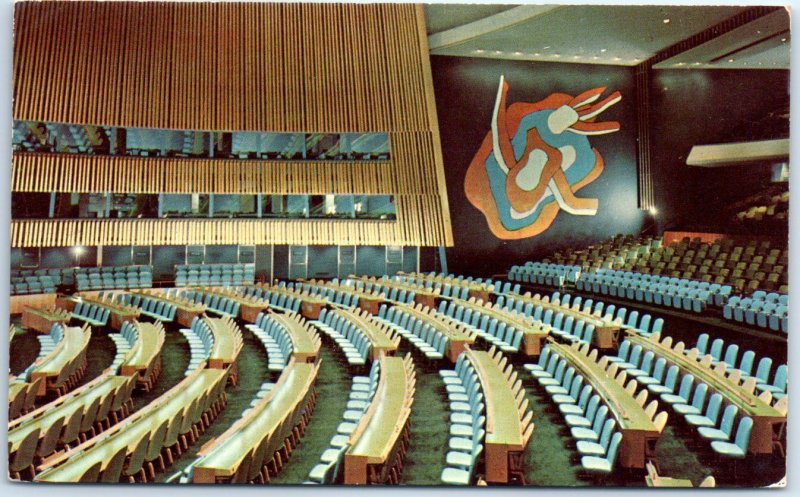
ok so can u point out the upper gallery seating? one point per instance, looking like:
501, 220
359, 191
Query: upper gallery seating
745, 265
770, 205
214, 274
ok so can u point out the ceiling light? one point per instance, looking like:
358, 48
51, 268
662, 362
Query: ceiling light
517, 53
536, 54
498, 52
576, 56
595, 57
783, 39
477, 51
730, 60
545, 48
617, 58
681, 64
697, 63
603, 50
653, 210
666, 21
556, 55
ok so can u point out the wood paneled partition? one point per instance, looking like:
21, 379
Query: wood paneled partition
315, 68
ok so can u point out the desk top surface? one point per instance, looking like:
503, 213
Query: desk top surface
131, 430
628, 413
382, 427
67, 349
503, 423
749, 403
226, 453
148, 346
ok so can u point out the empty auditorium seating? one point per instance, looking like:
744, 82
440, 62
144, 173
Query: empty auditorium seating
214, 274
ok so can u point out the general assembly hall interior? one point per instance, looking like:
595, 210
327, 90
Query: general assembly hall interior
399, 244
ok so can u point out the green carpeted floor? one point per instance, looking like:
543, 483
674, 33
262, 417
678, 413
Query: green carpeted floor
550, 457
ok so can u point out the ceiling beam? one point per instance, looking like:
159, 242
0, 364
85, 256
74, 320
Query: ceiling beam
496, 22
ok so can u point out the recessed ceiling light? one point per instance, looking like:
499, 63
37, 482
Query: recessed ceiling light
517, 53
545, 48
697, 63
576, 56
477, 51
603, 50
536, 54
556, 55
595, 57
617, 58
666, 21
783, 39
681, 64
498, 52
730, 60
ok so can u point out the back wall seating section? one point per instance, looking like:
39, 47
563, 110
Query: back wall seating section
113, 277
762, 309
745, 264
765, 207
214, 274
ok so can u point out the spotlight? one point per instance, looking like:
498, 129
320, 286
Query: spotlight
653, 211
78, 251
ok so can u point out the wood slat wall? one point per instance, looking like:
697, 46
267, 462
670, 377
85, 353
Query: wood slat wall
221, 66
236, 67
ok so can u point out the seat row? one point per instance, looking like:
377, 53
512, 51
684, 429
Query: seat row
32, 284
276, 341
155, 308
593, 430
488, 325
215, 303
362, 392
214, 274
646, 326
280, 300
24, 400
118, 280
772, 313
542, 273
93, 314
353, 343
66, 422
201, 341
124, 341
430, 341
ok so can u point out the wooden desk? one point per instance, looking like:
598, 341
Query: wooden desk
456, 339
503, 423
227, 342
145, 351
379, 430
127, 433
422, 295
369, 303
185, 311
64, 406
764, 415
265, 423
42, 320
305, 342
18, 303
15, 388
534, 332
606, 334
118, 314
310, 308
67, 350
381, 342
636, 427
249, 309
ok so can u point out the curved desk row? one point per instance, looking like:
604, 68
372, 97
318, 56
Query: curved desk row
479, 291
637, 428
145, 355
277, 295
118, 313
533, 332
65, 363
255, 438
340, 295
174, 408
375, 443
186, 310
306, 343
508, 425
606, 333
227, 342
60, 411
422, 295
457, 336
383, 340
42, 319
763, 414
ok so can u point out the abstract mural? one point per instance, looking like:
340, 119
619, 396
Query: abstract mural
535, 158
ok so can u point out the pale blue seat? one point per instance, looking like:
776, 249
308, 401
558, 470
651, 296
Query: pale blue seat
778, 386
633, 360
622, 355
585, 419
723, 432
593, 433
557, 377
572, 396
709, 419
577, 408
737, 449
603, 465
684, 391
563, 387
656, 376
702, 343
589, 448
644, 368
698, 401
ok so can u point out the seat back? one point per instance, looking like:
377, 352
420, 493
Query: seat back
743, 433
713, 407
726, 425
613, 448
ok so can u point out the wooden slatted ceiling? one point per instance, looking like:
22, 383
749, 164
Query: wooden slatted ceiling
239, 67
222, 66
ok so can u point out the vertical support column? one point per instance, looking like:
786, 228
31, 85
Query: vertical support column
443, 259
160, 205
51, 213
259, 204
210, 205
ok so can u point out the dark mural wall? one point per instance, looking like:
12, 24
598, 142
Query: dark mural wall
694, 107
465, 94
